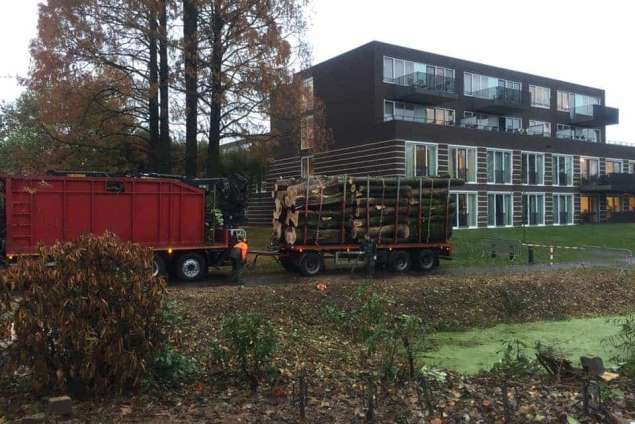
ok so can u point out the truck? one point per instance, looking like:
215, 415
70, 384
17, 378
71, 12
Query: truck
182, 220
399, 223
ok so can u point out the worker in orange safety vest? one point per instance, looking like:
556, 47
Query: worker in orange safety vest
239, 258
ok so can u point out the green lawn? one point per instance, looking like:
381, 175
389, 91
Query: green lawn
467, 243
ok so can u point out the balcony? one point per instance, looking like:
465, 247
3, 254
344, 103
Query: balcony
611, 183
594, 116
418, 119
499, 100
424, 88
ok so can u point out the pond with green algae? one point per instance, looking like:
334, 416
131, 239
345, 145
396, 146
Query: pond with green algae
477, 349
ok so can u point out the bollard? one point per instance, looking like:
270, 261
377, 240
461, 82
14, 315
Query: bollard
530, 255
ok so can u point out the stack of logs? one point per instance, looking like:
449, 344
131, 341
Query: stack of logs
330, 210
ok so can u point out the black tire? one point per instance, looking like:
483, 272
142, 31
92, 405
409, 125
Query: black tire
159, 267
191, 267
399, 261
289, 263
310, 264
426, 260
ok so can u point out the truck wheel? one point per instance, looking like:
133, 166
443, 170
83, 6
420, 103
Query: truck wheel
159, 268
426, 260
399, 261
310, 264
191, 267
288, 263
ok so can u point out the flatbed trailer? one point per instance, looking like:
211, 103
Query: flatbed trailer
308, 259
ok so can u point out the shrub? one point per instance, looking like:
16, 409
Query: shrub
514, 362
247, 344
88, 315
624, 344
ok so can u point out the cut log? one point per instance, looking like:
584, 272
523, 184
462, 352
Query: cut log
403, 232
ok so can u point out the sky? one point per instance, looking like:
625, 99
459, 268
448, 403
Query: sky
587, 42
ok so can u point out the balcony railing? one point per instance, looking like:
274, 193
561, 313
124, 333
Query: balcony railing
419, 119
426, 81
582, 134
501, 94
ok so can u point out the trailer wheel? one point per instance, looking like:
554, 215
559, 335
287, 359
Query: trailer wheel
399, 261
191, 267
310, 264
426, 260
159, 267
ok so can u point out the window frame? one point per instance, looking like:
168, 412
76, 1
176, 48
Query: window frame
526, 152
544, 207
553, 202
556, 175
511, 162
511, 213
414, 163
587, 158
309, 161
453, 159
532, 95
619, 161
544, 133
456, 221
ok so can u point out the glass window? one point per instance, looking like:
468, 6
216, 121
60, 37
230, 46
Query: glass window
533, 168
534, 209
499, 209
512, 124
562, 170
389, 74
540, 96
613, 166
613, 205
562, 209
565, 101
462, 163
306, 169
306, 132
499, 167
542, 128
421, 160
631, 203
466, 210
589, 168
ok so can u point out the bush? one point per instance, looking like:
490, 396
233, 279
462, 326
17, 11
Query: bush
88, 315
624, 344
247, 344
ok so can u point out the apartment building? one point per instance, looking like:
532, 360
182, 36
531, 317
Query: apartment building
531, 150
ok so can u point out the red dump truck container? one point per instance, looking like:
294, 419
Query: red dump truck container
165, 215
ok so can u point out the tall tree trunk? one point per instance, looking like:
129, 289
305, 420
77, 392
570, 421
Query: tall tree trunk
190, 52
153, 100
164, 76
213, 148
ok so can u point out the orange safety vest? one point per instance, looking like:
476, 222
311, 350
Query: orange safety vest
244, 249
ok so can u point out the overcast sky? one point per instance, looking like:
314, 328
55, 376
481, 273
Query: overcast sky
588, 42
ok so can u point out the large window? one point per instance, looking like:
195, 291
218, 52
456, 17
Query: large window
421, 160
540, 96
578, 133
499, 209
462, 163
613, 166
401, 111
307, 94
534, 209
533, 168
306, 168
405, 72
613, 205
577, 103
307, 132
499, 167
562, 170
542, 128
489, 87
563, 209
511, 124
466, 210
589, 168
